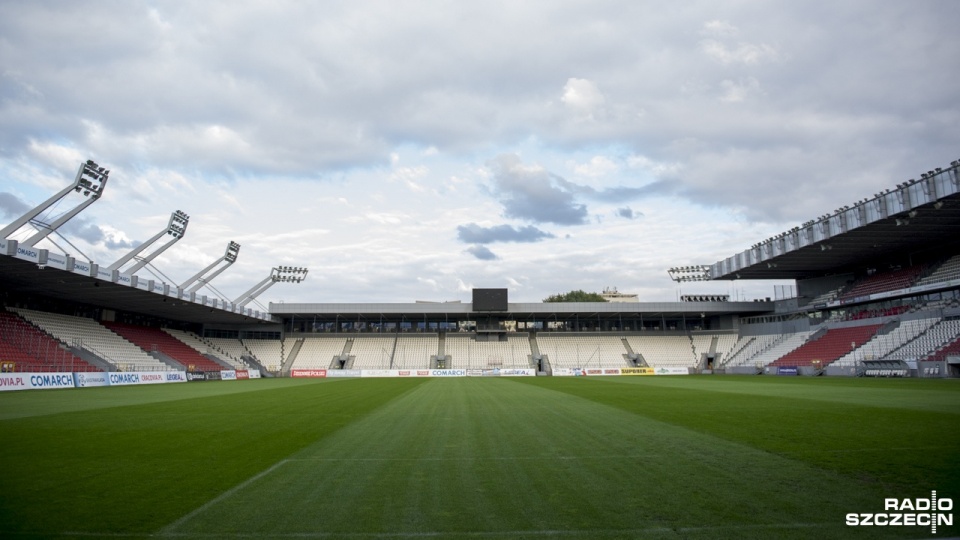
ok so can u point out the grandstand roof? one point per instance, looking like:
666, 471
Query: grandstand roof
523, 311
918, 218
24, 277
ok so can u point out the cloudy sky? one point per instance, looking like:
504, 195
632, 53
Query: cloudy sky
413, 150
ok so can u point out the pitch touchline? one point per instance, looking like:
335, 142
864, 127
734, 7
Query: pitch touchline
486, 534
168, 530
518, 458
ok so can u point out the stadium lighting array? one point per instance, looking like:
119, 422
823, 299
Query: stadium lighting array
178, 224
90, 182
176, 227
279, 274
90, 179
202, 277
705, 298
690, 273
289, 274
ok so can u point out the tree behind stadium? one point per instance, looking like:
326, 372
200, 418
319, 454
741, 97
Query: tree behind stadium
575, 296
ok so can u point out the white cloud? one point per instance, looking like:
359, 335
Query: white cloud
718, 28
410, 176
583, 98
739, 91
720, 48
741, 53
598, 166
656, 168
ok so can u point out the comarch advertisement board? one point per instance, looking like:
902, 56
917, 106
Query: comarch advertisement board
35, 381
127, 378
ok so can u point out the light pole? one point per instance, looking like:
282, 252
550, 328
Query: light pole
279, 274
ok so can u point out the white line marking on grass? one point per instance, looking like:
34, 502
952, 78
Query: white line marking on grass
168, 530
587, 533
506, 458
790, 454
905, 448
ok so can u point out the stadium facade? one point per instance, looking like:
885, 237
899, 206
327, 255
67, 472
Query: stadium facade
877, 293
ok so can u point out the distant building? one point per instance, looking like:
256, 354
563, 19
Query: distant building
611, 294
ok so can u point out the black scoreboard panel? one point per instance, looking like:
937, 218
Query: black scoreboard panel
490, 299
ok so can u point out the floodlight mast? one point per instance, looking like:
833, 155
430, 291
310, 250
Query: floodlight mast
91, 180
690, 273
176, 227
286, 274
230, 256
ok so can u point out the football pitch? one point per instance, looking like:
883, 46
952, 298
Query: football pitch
579, 458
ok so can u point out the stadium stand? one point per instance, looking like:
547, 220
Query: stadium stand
826, 296
230, 348
468, 353
768, 348
319, 352
372, 352
580, 351
414, 351
950, 349
268, 352
948, 271
98, 340
665, 351
927, 344
205, 347
826, 347
156, 340
24, 347
715, 346
884, 343
883, 282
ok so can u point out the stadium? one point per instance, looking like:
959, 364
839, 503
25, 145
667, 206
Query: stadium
795, 417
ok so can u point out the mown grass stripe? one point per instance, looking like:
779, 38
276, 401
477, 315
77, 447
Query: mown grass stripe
915, 449
137, 467
490, 458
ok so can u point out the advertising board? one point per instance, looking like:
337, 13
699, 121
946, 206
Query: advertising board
35, 381
306, 373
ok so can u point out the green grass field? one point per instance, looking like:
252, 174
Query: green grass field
583, 458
